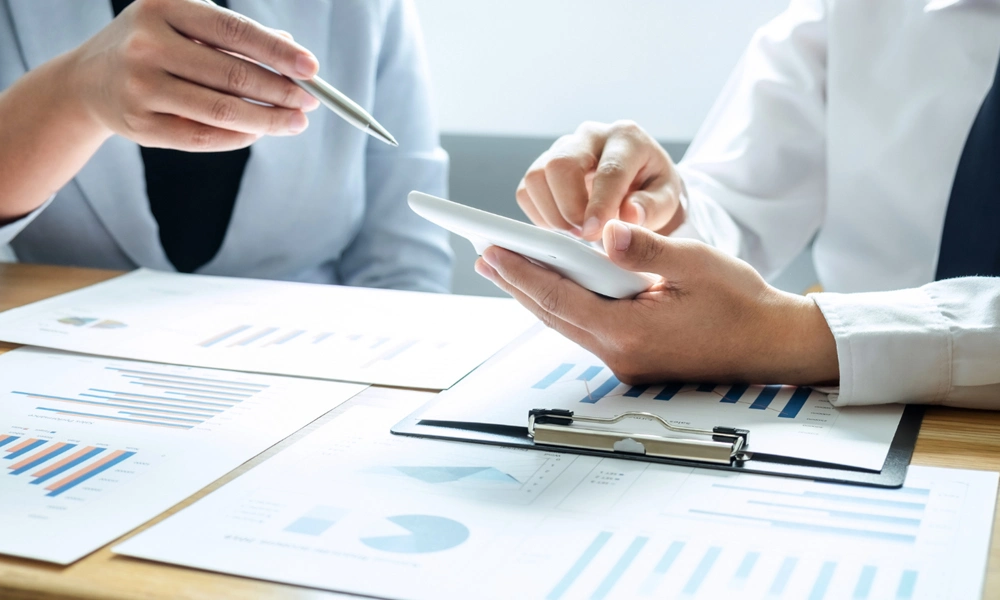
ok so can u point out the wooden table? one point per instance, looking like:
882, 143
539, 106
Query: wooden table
949, 438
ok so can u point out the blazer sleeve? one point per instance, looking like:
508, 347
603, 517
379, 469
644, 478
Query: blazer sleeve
395, 248
756, 171
9, 231
936, 344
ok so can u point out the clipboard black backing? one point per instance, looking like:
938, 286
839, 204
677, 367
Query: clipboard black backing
892, 474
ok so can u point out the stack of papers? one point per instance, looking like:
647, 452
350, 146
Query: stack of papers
414, 519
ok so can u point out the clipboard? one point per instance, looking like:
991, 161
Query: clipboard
722, 448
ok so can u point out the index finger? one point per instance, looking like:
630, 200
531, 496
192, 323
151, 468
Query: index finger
233, 32
621, 161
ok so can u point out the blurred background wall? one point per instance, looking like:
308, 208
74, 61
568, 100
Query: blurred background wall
511, 76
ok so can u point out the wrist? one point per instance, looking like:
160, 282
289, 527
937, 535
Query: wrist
67, 84
809, 355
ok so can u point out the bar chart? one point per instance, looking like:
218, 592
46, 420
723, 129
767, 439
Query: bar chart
547, 371
149, 397
624, 565
57, 467
373, 348
786, 402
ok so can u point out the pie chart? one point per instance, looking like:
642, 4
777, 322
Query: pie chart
418, 534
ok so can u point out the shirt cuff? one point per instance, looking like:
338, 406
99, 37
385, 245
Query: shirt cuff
892, 347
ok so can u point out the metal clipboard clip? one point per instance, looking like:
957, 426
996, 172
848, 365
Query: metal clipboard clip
555, 427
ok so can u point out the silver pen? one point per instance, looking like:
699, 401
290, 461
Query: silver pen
338, 102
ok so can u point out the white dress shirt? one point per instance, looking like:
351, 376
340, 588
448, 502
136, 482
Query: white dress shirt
843, 125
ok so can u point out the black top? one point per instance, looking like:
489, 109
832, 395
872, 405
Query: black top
191, 195
970, 240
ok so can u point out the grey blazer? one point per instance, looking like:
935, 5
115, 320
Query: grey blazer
326, 206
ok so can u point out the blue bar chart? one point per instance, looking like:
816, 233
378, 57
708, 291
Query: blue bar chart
151, 398
785, 401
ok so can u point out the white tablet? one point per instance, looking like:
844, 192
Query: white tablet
567, 256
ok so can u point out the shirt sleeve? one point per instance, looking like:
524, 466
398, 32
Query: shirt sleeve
9, 231
937, 344
395, 248
756, 171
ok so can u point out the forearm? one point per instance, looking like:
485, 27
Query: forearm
46, 136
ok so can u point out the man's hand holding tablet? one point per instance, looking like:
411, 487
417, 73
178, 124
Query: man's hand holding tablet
570, 258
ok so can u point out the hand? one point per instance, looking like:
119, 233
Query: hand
711, 317
599, 173
156, 75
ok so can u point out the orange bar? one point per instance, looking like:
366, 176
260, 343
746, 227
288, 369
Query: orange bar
62, 462
32, 458
21, 445
86, 470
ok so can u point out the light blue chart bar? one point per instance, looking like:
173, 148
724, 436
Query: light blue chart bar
888, 536
784, 574
702, 570
907, 585
743, 571
662, 567
865, 581
823, 581
589, 373
580, 565
619, 569
554, 376
605, 389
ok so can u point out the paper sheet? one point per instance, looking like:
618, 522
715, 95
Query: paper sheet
352, 508
548, 371
90, 448
405, 339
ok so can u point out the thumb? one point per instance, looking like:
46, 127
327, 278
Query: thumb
638, 249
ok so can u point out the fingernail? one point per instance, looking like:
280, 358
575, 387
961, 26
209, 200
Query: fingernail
640, 213
591, 227
486, 271
307, 101
621, 236
298, 122
306, 65
490, 259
